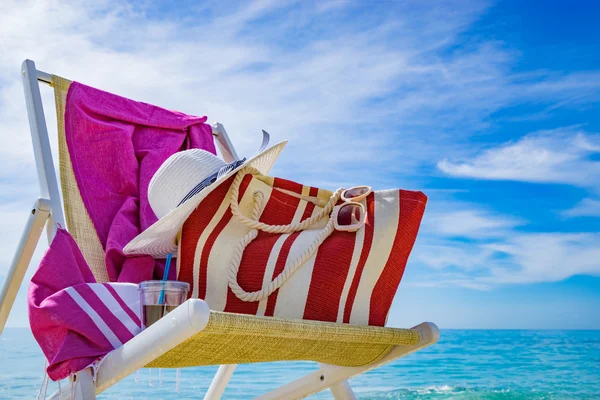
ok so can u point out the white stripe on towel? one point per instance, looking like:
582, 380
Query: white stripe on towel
111, 303
98, 321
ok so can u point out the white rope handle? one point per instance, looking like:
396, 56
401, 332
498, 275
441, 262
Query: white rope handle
290, 267
255, 224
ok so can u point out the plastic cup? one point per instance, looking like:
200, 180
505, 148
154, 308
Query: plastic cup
175, 293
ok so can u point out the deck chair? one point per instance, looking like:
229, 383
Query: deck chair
192, 335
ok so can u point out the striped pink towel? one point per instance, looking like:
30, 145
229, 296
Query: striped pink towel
75, 320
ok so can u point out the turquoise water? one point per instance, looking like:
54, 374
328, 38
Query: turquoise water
465, 364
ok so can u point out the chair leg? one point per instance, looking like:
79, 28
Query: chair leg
342, 391
85, 389
329, 375
220, 381
29, 240
81, 387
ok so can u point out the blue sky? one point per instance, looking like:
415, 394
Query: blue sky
490, 108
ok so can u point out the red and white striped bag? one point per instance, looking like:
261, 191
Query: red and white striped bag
352, 277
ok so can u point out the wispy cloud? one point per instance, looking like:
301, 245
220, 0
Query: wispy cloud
546, 257
473, 248
448, 220
555, 156
520, 258
587, 207
355, 90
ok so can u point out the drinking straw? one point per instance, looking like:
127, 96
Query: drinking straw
161, 298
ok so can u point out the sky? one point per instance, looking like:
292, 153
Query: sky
490, 108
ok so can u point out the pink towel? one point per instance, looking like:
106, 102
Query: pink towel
116, 145
75, 320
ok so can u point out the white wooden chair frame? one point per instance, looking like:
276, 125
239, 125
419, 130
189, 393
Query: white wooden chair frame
185, 321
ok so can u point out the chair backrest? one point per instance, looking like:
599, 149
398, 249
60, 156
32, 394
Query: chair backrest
78, 221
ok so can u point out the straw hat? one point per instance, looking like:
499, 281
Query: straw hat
177, 188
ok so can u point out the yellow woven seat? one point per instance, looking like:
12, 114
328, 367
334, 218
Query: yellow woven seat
238, 339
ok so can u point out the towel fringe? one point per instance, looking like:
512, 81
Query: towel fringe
46, 387
74, 382
44, 382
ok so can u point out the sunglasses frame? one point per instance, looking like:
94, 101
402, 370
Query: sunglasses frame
353, 227
357, 198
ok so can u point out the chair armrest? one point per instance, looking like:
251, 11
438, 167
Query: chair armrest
181, 323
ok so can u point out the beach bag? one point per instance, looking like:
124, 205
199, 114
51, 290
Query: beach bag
264, 246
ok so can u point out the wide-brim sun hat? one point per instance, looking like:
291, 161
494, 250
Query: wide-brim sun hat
179, 186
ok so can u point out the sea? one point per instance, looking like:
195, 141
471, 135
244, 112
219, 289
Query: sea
464, 364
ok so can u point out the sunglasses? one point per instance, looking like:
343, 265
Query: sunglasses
350, 216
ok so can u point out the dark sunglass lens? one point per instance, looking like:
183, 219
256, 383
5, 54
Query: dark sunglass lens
356, 192
349, 214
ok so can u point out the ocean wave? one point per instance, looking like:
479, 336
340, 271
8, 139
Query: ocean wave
464, 393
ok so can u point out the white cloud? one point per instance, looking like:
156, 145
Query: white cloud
465, 245
547, 257
556, 156
510, 258
466, 223
585, 208
443, 254
380, 92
